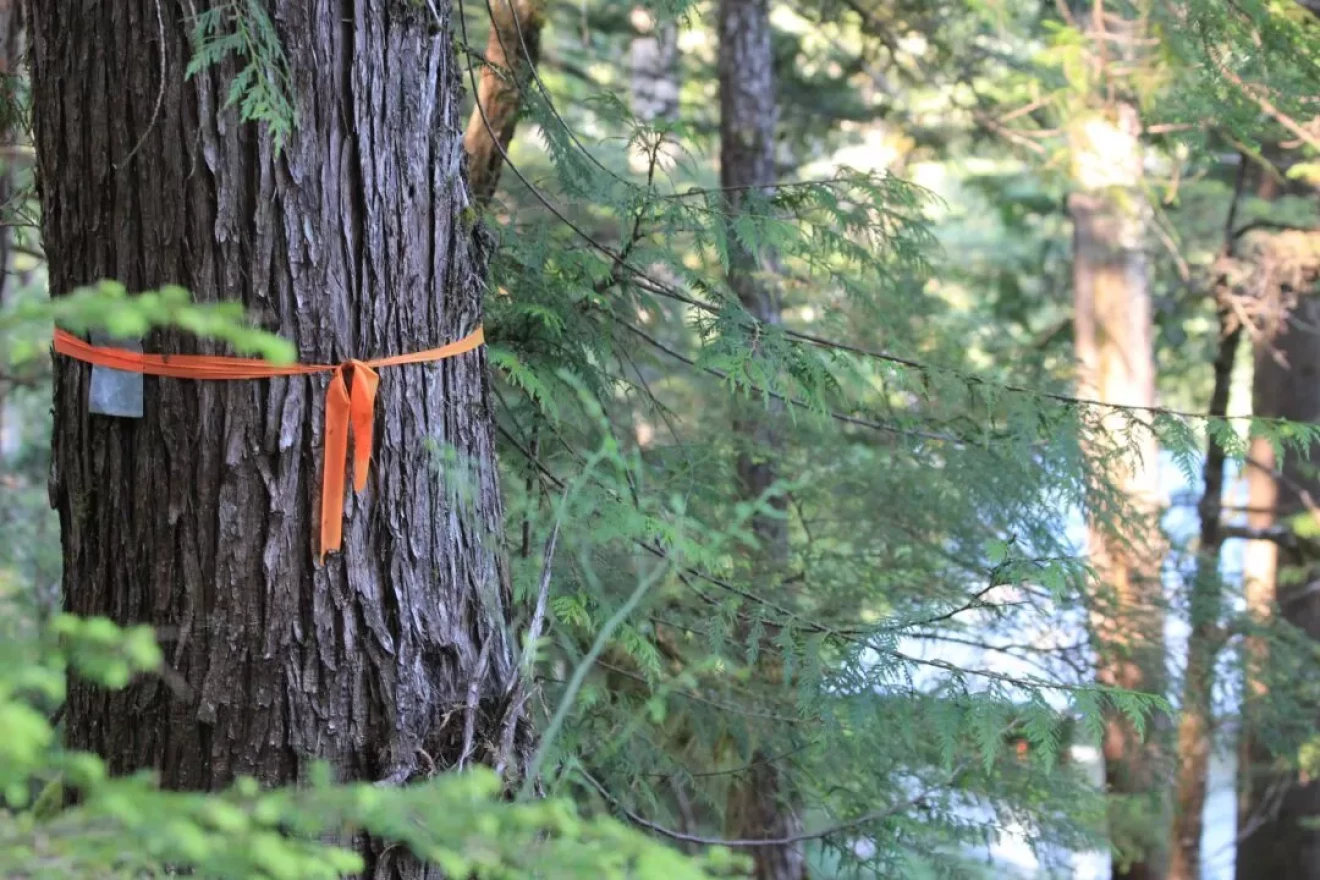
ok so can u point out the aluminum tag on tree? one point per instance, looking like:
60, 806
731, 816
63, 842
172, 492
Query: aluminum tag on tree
115, 392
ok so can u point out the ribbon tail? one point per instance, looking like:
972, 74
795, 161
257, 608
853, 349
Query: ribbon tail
363, 412
337, 405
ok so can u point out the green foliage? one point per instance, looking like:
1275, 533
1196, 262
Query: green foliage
929, 455
1236, 56
261, 86
128, 827
63, 814
107, 306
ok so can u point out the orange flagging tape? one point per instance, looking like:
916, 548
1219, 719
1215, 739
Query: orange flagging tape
350, 400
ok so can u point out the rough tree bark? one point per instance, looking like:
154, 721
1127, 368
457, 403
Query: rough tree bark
512, 51
199, 519
1114, 345
761, 804
1276, 800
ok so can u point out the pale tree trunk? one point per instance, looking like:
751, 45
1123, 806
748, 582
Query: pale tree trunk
1276, 802
761, 804
653, 66
199, 518
1114, 342
512, 51
653, 69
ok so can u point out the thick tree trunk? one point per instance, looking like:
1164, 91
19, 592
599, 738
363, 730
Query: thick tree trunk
200, 518
1114, 343
512, 51
1277, 802
761, 804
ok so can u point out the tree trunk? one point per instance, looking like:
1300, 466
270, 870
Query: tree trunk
1114, 342
11, 30
653, 66
512, 51
200, 519
1196, 721
654, 74
1276, 800
1206, 596
761, 804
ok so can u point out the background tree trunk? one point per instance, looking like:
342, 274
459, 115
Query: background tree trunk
11, 39
1275, 798
761, 805
200, 518
1206, 599
1196, 721
653, 66
512, 51
1114, 345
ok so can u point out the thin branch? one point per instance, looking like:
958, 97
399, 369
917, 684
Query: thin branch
160, 90
865, 819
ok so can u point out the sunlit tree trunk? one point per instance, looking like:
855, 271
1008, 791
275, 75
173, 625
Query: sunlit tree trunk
1277, 801
1114, 345
199, 519
761, 806
512, 51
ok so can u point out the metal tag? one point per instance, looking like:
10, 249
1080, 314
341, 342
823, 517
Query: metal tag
115, 392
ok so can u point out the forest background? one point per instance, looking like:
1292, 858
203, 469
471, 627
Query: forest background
890, 456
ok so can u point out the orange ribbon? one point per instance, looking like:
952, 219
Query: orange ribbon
350, 402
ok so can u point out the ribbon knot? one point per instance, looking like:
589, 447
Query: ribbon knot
350, 402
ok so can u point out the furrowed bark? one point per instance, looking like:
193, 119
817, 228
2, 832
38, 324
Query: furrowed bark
1114, 345
761, 803
200, 519
512, 51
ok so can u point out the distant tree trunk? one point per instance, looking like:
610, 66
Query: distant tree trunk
512, 51
653, 63
11, 31
1114, 344
1196, 721
761, 805
199, 519
653, 68
1206, 596
1277, 801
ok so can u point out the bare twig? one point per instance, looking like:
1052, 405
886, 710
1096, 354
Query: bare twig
865, 819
